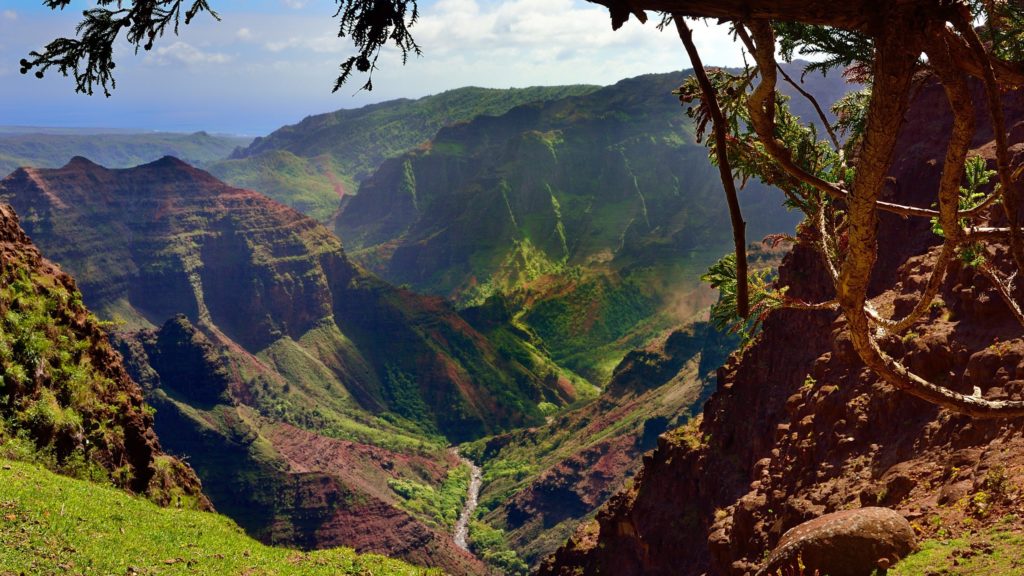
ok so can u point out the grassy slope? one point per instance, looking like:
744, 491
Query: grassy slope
113, 150
309, 164
996, 550
65, 400
50, 524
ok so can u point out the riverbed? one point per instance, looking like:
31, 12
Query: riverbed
472, 497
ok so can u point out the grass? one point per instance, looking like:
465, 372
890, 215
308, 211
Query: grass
50, 524
994, 551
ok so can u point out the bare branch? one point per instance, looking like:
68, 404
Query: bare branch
808, 306
1004, 291
724, 169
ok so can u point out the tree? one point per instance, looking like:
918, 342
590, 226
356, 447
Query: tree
89, 57
839, 187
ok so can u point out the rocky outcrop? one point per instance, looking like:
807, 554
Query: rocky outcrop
798, 428
181, 356
845, 543
64, 387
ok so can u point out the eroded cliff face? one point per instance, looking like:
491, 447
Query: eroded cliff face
798, 428
65, 397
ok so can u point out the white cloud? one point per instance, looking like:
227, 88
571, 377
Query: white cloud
244, 34
321, 44
10, 15
293, 57
185, 53
294, 4
540, 31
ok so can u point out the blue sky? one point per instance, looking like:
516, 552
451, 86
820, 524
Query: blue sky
272, 62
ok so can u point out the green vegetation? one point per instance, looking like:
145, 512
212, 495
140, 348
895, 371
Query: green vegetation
55, 525
995, 550
580, 324
489, 545
438, 507
310, 395
312, 186
58, 406
763, 297
118, 150
308, 165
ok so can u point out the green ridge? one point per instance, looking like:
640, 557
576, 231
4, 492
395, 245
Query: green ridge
310, 164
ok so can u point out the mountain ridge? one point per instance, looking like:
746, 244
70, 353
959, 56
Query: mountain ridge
301, 337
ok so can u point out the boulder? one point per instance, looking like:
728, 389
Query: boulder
846, 543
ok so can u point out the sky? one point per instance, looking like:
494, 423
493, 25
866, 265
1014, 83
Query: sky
268, 63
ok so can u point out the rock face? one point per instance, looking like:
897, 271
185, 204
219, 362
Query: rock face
846, 543
65, 388
797, 428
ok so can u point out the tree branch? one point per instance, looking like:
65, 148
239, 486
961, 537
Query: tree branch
949, 183
724, 170
1010, 191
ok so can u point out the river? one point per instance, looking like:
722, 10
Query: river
472, 497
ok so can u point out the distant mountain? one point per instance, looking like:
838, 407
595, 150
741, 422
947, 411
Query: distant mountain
594, 214
314, 164
52, 148
251, 329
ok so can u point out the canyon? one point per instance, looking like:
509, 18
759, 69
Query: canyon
561, 333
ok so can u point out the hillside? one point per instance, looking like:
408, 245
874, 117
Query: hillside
67, 402
53, 149
593, 215
257, 338
55, 525
796, 431
539, 483
313, 165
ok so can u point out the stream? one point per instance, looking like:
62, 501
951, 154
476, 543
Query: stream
462, 526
